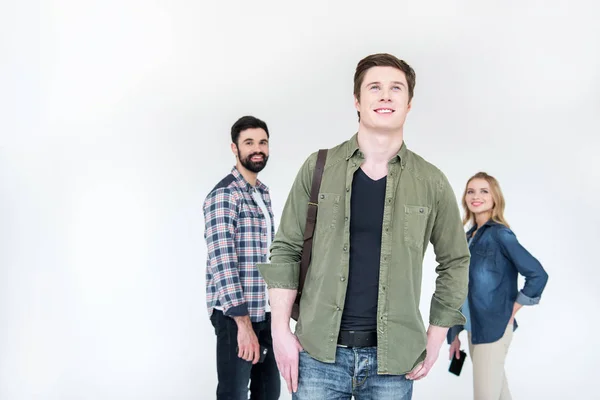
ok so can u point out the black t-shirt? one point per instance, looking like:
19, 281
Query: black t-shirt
366, 219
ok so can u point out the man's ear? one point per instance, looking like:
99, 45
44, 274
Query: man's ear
357, 107
356, 104
234, 149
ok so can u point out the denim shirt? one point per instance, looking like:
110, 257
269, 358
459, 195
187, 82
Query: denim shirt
497, 258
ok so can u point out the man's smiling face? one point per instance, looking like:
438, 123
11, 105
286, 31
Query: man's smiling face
384, 99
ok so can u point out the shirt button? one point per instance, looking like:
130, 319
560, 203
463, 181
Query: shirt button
337, 308
322, 196
389, 200
346, 219
342, 279
347, 189
421, 210
345, 248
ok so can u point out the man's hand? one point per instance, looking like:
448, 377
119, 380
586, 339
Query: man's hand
435, 338
455, 348
248, 347
286, 349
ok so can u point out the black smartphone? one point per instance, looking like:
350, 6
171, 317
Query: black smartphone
457, 363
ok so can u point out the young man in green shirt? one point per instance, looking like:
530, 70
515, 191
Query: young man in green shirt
360, 331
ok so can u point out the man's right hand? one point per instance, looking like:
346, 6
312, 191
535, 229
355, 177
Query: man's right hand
286, 348
248, 347
455, 348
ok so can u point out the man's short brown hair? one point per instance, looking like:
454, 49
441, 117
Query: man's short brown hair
383, 60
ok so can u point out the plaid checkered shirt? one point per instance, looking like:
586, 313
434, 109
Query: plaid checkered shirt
236, 240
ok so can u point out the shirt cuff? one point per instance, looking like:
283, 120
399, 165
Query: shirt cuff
280, 275
445, 316
237, 311
453, 333
526, 300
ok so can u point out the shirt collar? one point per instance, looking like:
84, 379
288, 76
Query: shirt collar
352, 148
489, 222
244, 184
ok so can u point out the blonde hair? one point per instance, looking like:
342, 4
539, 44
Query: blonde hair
499, 203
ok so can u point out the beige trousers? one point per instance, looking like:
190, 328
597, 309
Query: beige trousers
489, 377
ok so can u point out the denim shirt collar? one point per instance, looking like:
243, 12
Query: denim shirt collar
489, 222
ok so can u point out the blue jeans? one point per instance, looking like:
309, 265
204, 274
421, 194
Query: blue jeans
354, 373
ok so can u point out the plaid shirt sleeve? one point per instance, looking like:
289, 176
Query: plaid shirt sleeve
220, 218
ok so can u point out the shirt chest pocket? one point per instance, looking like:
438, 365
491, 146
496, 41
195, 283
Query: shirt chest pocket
484, 251
249, 218
485, 257
415, 225
327, 213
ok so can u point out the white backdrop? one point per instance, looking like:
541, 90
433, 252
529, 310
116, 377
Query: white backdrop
114, 125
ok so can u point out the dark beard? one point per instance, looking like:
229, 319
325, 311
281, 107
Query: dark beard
250, 165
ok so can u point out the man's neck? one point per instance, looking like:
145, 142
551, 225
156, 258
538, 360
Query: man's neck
379, 147
249, 176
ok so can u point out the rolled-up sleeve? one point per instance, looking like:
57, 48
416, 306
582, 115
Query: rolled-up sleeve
526, 264
283, 270
452, 255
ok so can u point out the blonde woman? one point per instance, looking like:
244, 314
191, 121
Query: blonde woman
494, 298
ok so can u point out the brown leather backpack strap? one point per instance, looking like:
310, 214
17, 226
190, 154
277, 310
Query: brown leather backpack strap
311, 219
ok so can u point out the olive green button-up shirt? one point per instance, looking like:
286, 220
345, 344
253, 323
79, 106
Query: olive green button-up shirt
420, 207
